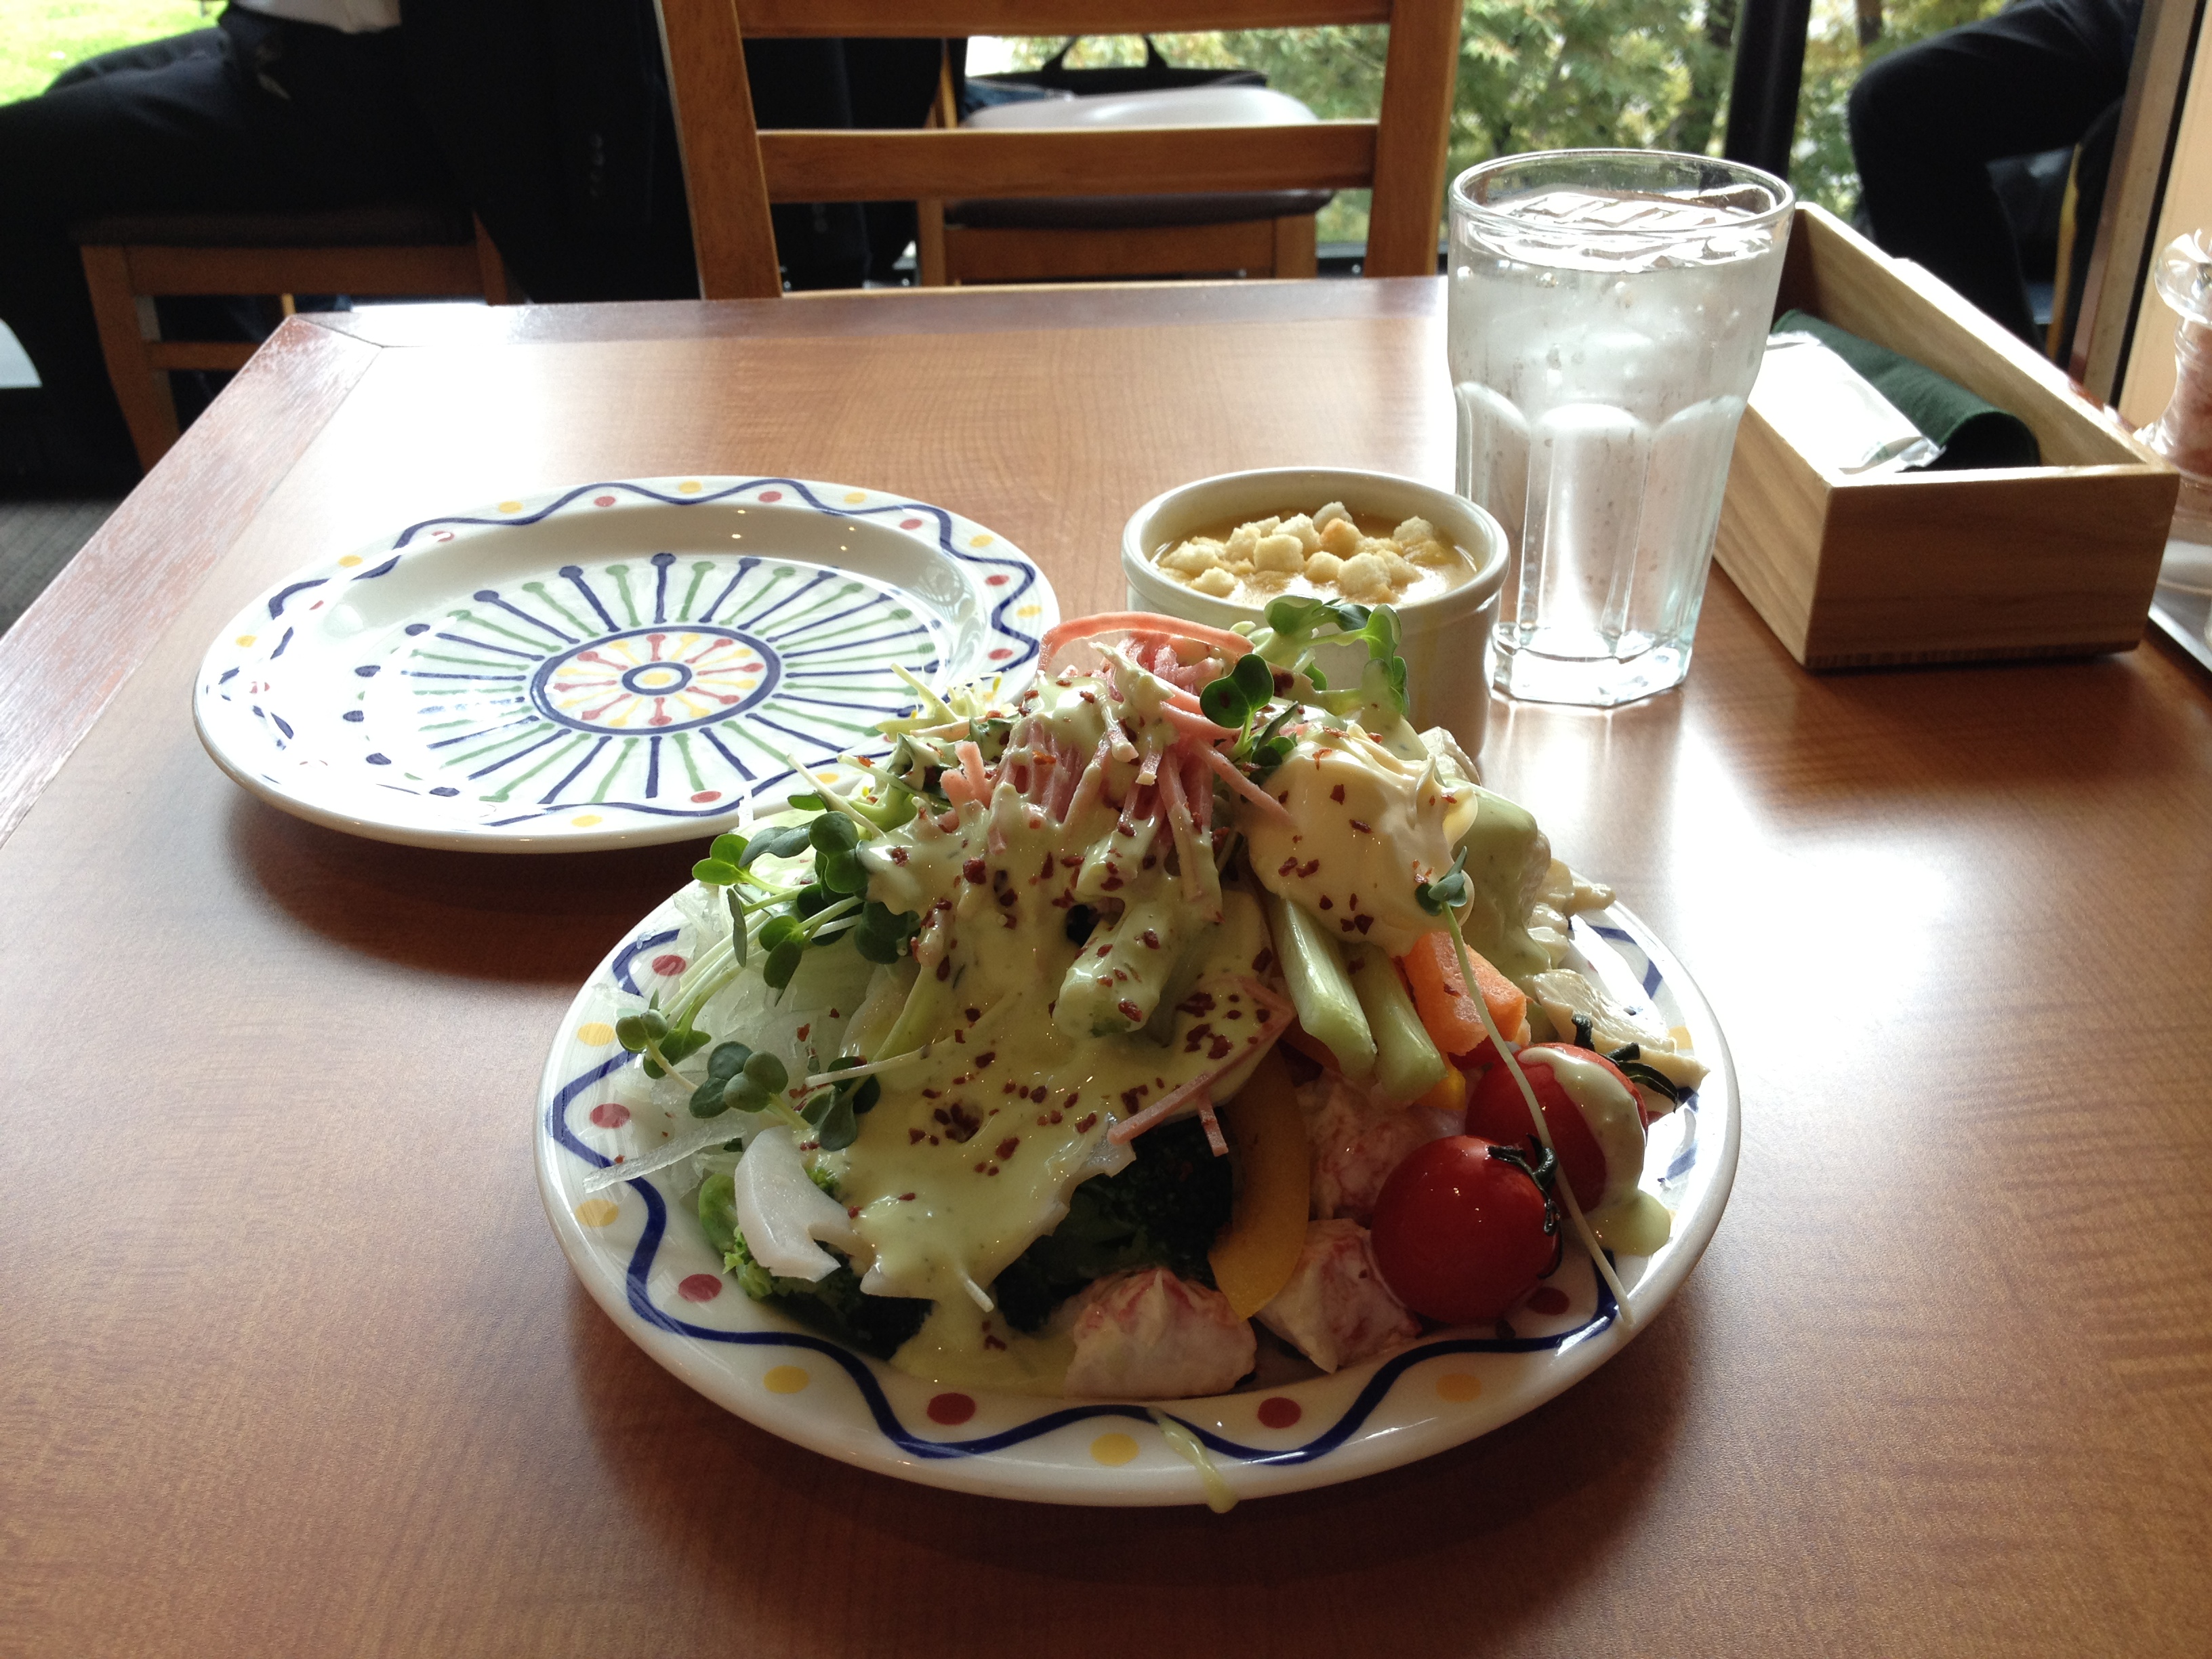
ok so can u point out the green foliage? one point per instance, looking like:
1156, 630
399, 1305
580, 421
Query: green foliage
1570, 74
1163, 1211
42, 38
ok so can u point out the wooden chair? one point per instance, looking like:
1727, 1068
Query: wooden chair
732, 172
425, 249
1268, 233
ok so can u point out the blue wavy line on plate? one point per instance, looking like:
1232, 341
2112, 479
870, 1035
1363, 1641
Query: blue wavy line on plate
1621, 936
630, 953
1025, 573
277, 600
1348, 1424
384, 569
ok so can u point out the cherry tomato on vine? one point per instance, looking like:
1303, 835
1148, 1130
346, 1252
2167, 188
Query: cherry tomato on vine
1465, 1228
1496, 1110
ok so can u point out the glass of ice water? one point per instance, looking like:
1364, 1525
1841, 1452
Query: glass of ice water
1608, 312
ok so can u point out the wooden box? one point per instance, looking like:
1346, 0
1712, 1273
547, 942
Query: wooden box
2057, 559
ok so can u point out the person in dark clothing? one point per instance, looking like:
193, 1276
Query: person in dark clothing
1927, 120
258, 113
550, 118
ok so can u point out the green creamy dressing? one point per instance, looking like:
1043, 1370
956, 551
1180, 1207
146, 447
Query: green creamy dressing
972, 1150
1370, 823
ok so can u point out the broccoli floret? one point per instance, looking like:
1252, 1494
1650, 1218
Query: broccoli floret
1161, 1212
833, 1304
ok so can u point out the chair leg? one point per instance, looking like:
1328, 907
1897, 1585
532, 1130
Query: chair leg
1295, 254
143, 391
493, 268
929, 244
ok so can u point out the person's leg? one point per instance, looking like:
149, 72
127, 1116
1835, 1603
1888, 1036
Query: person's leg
275, 116
1926, 121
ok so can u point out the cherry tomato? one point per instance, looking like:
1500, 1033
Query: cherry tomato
1495, 1110
1463, 1230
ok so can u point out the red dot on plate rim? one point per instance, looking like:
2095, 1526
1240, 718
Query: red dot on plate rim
771, 494
611, 1115
669, 964
1001, 653
705, 795
909, 524
1279, 1411
700, 1287
951, 1409
998, 579
603, 501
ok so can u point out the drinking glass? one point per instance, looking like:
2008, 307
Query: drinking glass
1608, 311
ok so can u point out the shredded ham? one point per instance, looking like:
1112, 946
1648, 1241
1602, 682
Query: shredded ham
1244, 786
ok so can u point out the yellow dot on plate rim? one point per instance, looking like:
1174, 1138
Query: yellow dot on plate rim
1030, 610
1112, 1450
598, 1212
978, 541
585, 821
244, 639
688, 487
510, 506
350, 560
856, 494
596, 1033
785, 1379
1459, 1386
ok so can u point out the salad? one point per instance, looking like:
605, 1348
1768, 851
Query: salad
1182, 1003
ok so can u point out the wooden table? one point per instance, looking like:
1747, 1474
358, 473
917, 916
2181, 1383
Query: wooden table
289, 1361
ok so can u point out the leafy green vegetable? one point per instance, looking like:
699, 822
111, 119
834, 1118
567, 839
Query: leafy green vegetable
1296, 624
835, 1304
1163, 1211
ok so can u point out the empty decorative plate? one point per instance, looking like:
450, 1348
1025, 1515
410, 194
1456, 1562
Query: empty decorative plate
617, 663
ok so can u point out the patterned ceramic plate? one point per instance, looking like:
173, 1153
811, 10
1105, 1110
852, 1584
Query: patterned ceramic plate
618, 664
641, 1254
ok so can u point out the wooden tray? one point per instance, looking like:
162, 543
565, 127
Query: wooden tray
2058, 560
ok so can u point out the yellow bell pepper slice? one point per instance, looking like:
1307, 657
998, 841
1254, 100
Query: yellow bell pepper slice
1256, 1254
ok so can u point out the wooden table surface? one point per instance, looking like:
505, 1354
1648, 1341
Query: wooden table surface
290, 1360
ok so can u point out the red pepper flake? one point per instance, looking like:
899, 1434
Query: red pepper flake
1130, 1012
803, 1031
851, 1212
1337, 795
974, 1014
1198, 1002
898, 855
1151, 942
974, 871
959, 1036
1306, 870
1327, 903
1007, 1148
1288, 867
913, 1137
989, 1341
1264, 961
1082, 1125
986, 1058
1360, 827
906, 1198
1365, 922
964, 1124
945, 967
992, 1170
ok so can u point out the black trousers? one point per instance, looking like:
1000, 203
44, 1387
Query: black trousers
1927, 120
257, 114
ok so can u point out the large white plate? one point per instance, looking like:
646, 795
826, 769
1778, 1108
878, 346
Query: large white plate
617, 664
640, 1251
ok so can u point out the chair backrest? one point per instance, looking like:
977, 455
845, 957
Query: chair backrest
732, 172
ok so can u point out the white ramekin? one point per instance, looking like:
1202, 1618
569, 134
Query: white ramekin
1446, 638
